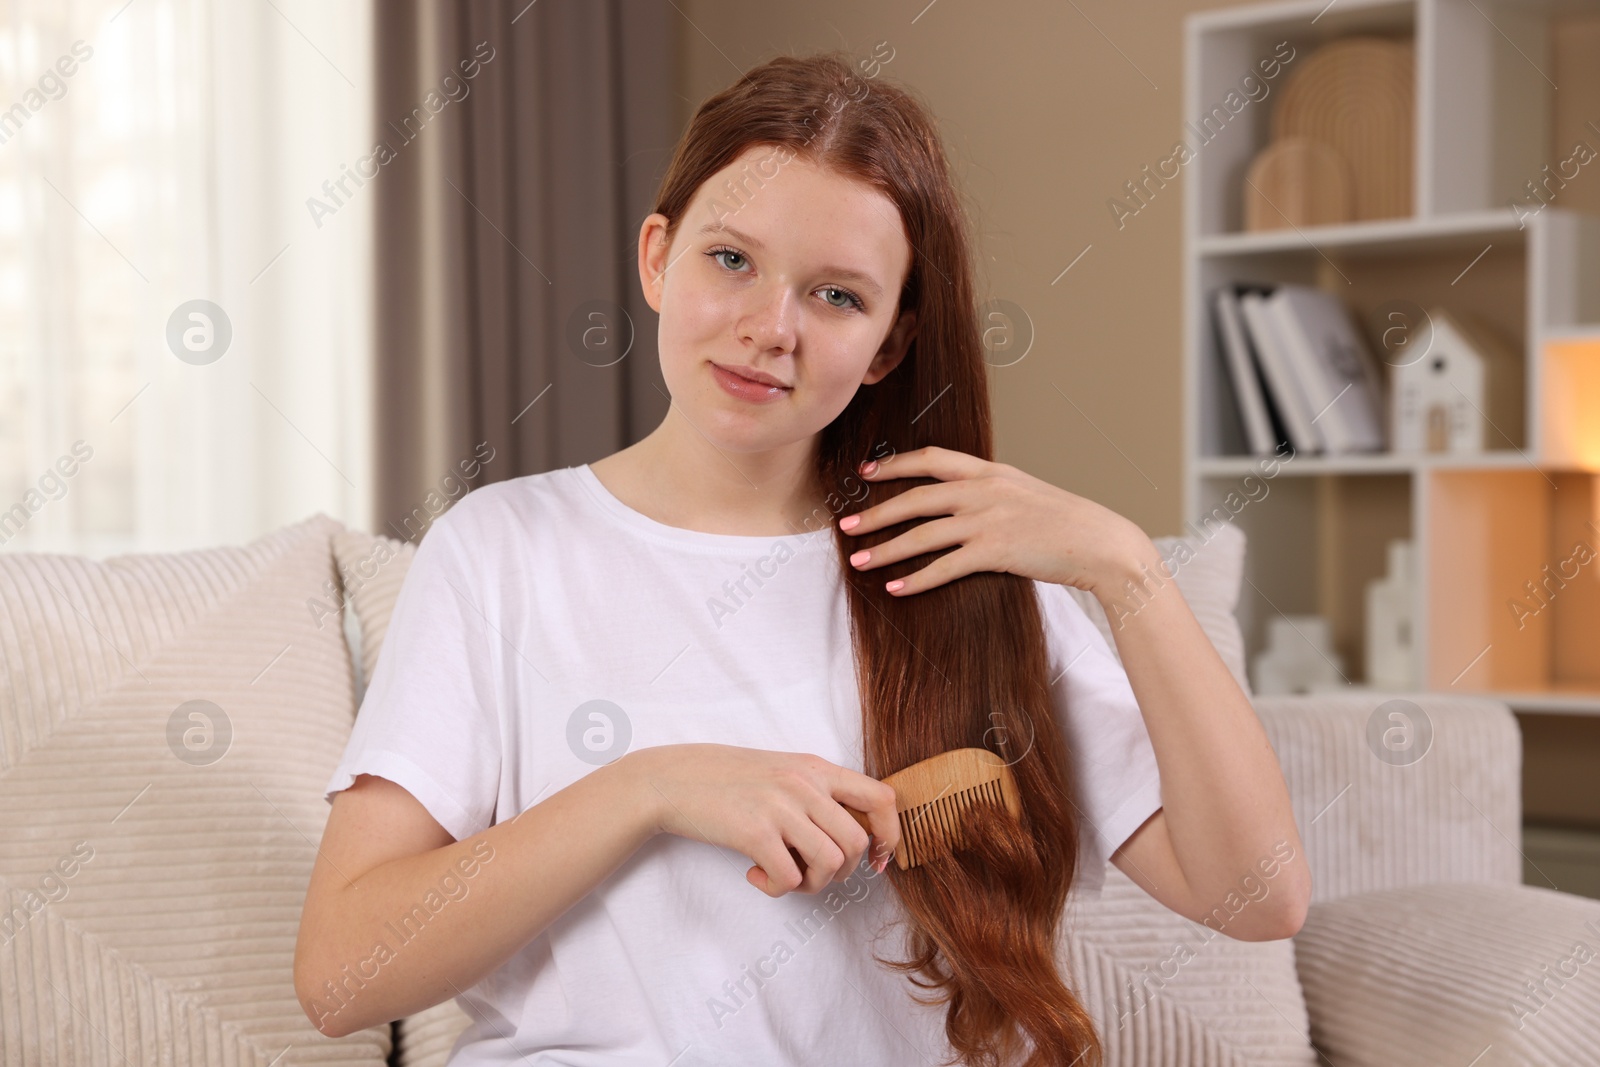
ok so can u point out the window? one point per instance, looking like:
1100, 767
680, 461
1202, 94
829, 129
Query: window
155, 153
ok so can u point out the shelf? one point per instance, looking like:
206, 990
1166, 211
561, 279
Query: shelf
1461, 231
1300, 15
1492, 530
1560, 700
1357, 463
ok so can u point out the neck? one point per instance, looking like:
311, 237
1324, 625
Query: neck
677, 476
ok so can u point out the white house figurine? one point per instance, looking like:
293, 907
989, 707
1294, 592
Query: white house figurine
1462, 395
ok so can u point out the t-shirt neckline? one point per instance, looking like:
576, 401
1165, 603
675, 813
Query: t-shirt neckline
678, 535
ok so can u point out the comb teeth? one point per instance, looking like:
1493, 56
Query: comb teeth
935, 799
945, 819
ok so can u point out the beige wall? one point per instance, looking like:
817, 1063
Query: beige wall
1044, 120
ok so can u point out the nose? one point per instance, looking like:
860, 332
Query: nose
769, 324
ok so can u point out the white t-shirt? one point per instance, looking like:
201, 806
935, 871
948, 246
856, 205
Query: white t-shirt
545, 628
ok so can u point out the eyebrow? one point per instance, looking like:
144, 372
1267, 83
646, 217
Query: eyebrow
865, 281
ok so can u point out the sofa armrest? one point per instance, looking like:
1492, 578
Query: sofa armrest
1441, 974
1376, 817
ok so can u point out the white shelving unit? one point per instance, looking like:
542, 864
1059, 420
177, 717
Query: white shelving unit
1485, 524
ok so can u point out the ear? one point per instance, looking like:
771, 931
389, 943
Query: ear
653, 249
901, 334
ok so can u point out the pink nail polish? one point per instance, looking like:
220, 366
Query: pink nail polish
850, 522
869, 467
895, 586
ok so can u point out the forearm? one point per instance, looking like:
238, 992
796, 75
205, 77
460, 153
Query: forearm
391, 942
1226, 804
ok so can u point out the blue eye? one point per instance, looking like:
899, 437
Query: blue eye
851, 300
715, 252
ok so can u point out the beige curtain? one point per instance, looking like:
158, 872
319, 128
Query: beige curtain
524, 144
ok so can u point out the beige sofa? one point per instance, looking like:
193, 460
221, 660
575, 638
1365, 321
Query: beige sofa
168, 722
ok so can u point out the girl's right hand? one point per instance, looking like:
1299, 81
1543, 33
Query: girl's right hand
784, 810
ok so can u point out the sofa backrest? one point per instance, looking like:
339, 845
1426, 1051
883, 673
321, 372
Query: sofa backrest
1400, 789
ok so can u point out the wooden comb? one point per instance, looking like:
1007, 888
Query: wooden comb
932, 796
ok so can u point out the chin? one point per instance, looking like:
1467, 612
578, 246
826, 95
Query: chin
754, 429
753, 439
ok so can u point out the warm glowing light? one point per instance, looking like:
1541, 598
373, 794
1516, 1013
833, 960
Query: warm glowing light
1572, 402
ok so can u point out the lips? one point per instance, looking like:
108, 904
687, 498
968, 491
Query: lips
750, 374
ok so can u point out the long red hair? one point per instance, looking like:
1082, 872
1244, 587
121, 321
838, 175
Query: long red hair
960, 665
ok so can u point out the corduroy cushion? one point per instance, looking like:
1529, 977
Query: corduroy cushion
1489, 975
1165, 991
371, 571
154, 855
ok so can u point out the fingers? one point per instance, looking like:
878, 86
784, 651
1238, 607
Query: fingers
875, 800
846, 832
821, 856
930, 536
932, 499
807, 857
776, 871
944, 463
803, 859
818, 841
947, 568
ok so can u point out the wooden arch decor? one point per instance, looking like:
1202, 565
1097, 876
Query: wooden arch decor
1356, 95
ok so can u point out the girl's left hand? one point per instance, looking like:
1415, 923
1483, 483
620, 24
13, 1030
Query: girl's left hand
1004, 520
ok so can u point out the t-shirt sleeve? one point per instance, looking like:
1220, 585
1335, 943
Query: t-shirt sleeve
1116, 782
429, 721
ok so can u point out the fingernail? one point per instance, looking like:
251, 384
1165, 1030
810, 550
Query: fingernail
895, 586
869, 466
881, 864
850, 523
860, 557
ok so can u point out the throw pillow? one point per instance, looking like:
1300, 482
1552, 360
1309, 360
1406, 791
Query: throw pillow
167, 724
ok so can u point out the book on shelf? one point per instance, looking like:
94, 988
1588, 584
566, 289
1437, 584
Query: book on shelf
1283, 383
1311, 368
1263, 425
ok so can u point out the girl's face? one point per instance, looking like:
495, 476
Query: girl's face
783, 268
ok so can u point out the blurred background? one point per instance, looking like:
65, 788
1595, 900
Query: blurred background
267, 258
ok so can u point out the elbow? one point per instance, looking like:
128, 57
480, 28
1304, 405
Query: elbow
1277, 916
1292, 903
321, 1020
1288, 918
1297, 904
330, 1020
1279, 924
1289, 921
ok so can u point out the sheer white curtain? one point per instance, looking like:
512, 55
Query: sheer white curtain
159, 152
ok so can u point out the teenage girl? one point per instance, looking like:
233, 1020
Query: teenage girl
598, 787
